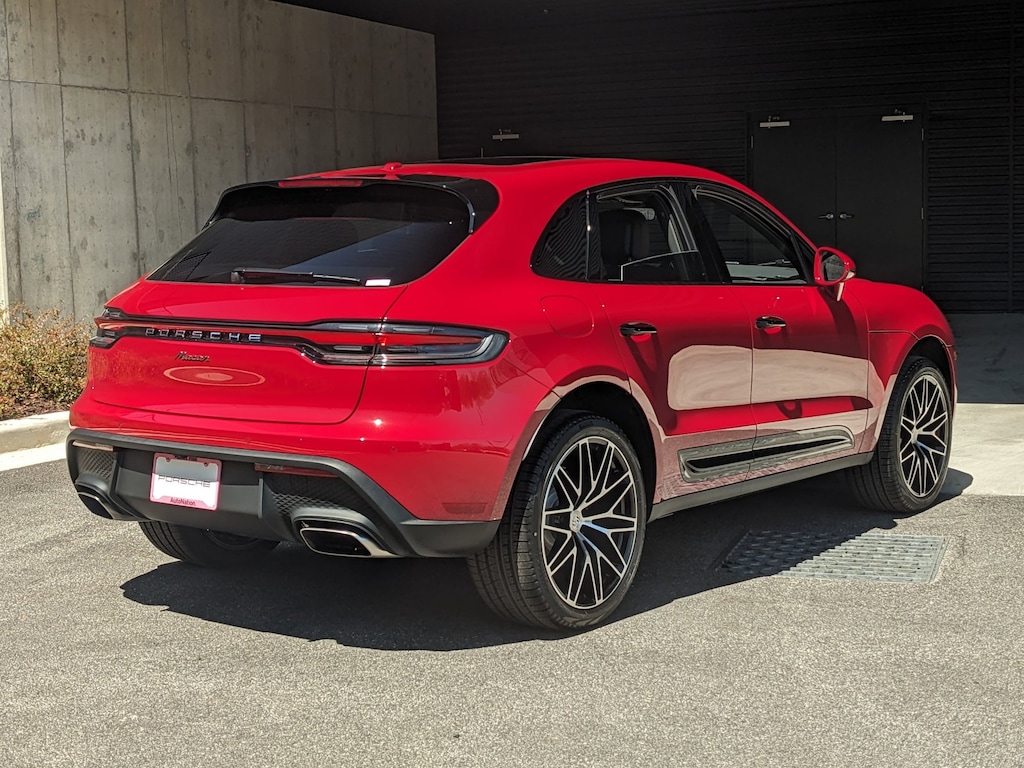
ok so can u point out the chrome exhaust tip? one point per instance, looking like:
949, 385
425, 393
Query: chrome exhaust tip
339, 540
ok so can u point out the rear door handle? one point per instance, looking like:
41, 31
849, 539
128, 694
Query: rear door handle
770, 321
637, 329
827, 216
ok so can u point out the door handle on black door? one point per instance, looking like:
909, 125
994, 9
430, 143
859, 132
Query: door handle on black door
845, 216
637, 329
769, 321
827, 216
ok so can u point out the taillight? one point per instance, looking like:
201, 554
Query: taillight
402, 344
328, 343
436, 345
108, 328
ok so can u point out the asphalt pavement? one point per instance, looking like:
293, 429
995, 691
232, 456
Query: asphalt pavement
114, 655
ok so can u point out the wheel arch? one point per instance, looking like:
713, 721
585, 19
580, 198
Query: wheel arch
618, 406
890, 351
933, 349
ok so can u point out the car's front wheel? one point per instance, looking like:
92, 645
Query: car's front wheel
570, 542
912, 455
211, 549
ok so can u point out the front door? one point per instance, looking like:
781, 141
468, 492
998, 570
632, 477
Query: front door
810, 357
853, 182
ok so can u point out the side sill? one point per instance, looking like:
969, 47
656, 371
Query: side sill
755, 484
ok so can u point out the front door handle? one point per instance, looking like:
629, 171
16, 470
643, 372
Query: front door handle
769, 321
827, 216
845, 216
637, 329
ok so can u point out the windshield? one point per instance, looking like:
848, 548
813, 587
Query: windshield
374, 233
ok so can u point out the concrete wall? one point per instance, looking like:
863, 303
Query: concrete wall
122, 120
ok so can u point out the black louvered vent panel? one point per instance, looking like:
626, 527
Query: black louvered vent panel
678, 84
291, 492
97, 463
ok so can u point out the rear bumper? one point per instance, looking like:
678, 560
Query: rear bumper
112, 474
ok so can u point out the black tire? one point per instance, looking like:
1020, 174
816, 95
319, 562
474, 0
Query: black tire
561, 562
910, 463
210, 549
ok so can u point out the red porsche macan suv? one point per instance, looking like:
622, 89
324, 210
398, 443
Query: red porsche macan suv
522, 363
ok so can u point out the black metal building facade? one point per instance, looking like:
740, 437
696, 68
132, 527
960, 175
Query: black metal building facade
693, 81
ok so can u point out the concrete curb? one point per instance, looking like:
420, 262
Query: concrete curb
33, 431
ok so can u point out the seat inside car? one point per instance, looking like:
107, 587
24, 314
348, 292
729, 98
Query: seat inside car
625, 237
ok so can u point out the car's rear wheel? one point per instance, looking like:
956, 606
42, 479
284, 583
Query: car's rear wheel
912, 456
569, 545
211, 549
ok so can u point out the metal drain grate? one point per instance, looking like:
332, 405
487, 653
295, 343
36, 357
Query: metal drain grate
896, 558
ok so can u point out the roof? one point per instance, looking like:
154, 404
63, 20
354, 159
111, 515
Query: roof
577, 172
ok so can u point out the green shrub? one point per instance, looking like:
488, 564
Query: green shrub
42, 362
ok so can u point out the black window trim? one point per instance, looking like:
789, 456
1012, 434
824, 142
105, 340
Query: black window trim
682, 193
726, 193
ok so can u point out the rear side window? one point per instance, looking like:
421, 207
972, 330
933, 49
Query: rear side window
371, 233
563, 251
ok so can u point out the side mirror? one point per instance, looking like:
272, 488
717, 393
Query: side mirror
832, 268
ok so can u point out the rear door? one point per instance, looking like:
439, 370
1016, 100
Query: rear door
682, 335
810, 357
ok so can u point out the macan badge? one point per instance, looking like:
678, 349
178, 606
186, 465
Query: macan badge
192, 358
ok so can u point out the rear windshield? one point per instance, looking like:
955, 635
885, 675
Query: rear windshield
372, 233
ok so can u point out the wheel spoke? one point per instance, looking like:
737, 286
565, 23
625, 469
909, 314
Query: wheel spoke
914, 473
549, 526
934, 423
618, 565
566, 553
907, 451
570, 490
578, 576
619, 488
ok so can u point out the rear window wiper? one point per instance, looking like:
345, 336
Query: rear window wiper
257, 275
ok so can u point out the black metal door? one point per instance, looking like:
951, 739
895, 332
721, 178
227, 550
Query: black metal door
879, 213
852, 181
793, 166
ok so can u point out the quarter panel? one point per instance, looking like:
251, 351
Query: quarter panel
898, 317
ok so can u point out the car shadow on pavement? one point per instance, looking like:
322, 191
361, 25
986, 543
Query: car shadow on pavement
432, 605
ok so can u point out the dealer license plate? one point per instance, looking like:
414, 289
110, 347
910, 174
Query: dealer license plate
185, 482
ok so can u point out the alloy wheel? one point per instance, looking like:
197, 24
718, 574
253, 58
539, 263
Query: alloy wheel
924, 435
589, 524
